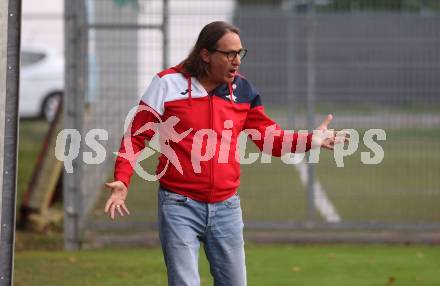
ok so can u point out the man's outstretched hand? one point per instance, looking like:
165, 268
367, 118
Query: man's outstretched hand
325, 138
116, 201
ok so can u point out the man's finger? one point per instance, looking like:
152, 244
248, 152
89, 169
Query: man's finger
326, 122
125, 209
341, 139
112, 211
343, 133
329, 146
118, 207
107, 205
111, 185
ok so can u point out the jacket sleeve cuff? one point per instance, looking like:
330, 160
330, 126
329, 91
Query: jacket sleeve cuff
124, 179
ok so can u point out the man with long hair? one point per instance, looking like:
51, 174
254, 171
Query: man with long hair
198, 200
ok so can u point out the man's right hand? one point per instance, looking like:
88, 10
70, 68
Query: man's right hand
116, 201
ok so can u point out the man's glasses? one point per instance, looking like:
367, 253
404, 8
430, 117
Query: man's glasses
231, 55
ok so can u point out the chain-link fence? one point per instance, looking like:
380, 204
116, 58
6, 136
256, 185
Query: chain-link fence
370, 69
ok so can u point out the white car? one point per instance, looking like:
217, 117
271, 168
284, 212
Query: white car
41, 82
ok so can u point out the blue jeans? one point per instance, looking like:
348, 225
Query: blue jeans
185, 223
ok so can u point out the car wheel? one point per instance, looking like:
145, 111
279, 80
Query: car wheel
50, 106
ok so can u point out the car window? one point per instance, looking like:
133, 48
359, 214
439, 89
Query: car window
30, 58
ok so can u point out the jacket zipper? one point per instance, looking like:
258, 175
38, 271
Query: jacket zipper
211, 173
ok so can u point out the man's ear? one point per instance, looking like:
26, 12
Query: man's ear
205, 55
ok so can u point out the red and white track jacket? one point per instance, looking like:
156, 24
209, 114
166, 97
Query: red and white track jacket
173, 93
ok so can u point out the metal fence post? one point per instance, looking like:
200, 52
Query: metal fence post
311, 98
73, 101
10, 20
165, 34
290, 67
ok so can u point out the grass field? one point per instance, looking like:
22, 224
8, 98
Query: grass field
31, 137
339, 265
405, 187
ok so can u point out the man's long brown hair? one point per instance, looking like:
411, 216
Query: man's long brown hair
207, 39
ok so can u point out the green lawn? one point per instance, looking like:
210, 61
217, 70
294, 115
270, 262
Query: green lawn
404, 187
267, 265
31, 135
